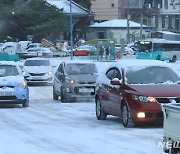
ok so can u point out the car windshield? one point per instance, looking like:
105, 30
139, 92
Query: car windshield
151, 75
8, 70
37, 63
75, 69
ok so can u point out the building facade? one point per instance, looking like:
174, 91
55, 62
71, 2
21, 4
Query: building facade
157, 14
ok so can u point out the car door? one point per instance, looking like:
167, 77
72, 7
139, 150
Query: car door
58, 78
115, 94
105, 89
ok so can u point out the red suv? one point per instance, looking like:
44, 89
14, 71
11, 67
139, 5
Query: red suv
135, 89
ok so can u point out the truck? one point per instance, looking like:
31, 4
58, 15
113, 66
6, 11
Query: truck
171, 126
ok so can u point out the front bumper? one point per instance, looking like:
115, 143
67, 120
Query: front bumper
34, 79
79, 91
14, 95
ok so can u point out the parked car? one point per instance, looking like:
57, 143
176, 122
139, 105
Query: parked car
73, 80
38, 70
34, 45
36, 52
13, 87
135, 89
85, 50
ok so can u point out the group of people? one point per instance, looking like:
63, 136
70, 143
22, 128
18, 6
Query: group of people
101, 52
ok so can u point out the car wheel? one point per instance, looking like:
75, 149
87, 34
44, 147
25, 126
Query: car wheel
100, 114
158, 57
63, 97
126, 116
174, 59
25, 103
55, 96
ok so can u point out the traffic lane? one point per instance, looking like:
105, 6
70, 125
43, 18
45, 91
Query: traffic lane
49, 126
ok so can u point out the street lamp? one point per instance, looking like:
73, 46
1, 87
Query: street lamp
71, 37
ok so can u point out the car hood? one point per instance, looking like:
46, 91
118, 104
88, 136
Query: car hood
85, 78
37, 69
11, 80
160, 90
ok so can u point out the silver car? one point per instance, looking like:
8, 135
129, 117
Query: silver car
75, 80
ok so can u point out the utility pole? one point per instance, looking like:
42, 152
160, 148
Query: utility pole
128, 17
141, 27
71, 37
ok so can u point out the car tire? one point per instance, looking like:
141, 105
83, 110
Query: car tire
25, 103
173, 59
158, 57
63, 97
55, 96
126, 116
100, 114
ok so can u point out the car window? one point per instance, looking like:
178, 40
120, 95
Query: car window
37, 63
76, 69
151, 75
8, 70
60, 68
110, 74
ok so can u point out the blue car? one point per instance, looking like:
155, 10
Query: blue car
13, 87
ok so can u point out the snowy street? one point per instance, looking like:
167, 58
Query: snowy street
51, 127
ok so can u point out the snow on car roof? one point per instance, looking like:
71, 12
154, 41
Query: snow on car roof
127, 63
37, 58
78, 61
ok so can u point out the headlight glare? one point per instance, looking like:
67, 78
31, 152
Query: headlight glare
49, 73
72, 81
22, 85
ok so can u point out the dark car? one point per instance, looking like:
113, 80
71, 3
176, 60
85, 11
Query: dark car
135, 89
75, 80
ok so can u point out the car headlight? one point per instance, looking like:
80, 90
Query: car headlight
144, 99
22, 85
48, 73
71, 81
23, 72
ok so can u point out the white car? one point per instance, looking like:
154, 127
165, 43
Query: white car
37, 52
38, 70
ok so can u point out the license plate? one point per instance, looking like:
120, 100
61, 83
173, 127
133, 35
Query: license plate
86, 90
7, 93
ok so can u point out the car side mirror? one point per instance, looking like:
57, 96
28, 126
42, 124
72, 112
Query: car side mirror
59, 74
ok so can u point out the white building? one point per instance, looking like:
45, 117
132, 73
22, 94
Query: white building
117, 29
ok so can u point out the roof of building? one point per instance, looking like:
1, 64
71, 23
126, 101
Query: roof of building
65, 5
116, 23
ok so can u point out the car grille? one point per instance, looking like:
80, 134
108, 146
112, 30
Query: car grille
7, 86
37, 74
8, 98
168, 99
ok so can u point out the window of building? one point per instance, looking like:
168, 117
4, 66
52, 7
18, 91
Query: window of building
166, 4
112, 5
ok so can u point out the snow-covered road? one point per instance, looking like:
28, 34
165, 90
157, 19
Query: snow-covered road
51, 127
